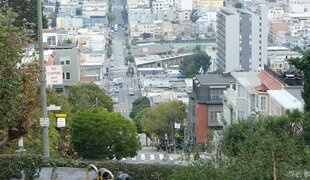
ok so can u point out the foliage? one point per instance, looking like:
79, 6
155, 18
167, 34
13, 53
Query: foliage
99, 134
33, 140
125, 16
304, 65
111, 17
298, 49
27, 12
19, 100
138, 105
159, 119
193, 64
109, 52
201, 170
11, 166
257, 148
88, 95
78, 11
238, 5
137, 120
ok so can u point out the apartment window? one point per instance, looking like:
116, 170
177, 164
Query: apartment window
66, 75
263, 103
215, 94
211, 116
51, 40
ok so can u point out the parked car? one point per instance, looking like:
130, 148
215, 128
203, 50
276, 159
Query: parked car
131, 92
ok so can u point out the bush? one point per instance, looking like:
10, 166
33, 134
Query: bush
12, 165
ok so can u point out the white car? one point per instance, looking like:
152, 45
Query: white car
131, 92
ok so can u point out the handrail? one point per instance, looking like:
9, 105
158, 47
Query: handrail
104, 172
90, 167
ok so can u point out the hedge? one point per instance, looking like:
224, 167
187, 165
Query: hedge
12, 165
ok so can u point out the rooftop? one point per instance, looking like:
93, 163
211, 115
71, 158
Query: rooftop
287, 100
151, 49
214, 78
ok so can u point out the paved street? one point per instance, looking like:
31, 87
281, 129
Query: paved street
117, 67
149, 155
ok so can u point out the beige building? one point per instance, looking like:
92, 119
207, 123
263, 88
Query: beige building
137, 29
209, 3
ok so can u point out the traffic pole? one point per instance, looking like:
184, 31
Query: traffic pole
46, 152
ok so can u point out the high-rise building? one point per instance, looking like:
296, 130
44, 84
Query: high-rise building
242, 38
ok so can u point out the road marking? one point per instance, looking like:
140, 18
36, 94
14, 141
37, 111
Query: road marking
152, 157
142, 157
161, 156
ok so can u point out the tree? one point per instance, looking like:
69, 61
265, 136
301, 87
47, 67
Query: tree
159, 120
193, 64
97, 133
238, 5
111, 17
139, 105
27, 14
78, 11
88, 95
137, 120
298, 49
19, 101
264, 147
304, 65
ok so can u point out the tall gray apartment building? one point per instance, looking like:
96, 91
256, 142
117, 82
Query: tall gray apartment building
242, 39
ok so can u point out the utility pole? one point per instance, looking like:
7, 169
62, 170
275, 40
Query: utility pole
46, 152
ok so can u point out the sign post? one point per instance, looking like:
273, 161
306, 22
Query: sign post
61, 124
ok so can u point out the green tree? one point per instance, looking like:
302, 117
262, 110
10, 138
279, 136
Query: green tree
137, 120
159, 120
78, 11
238, 5
27, 14
111, 17
298, 49
304, 65
139, 105
99, 134
19, 100
193, 64
88, 95
264, 147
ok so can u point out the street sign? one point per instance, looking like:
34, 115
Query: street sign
44, 122
54, 75
61, 122
52, 107
177, 125
61, 115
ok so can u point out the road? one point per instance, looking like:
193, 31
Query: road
118, 68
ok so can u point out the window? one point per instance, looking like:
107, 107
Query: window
66, 75
51, 40
263, 101
215, 94
211, 116
256, 101
65, 61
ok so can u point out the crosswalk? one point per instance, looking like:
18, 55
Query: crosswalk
148, 157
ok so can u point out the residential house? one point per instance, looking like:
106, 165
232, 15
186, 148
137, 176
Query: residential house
278, 56
204, 103
243, 100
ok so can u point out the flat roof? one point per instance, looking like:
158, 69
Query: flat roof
214, 79
249, 80
287, 100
